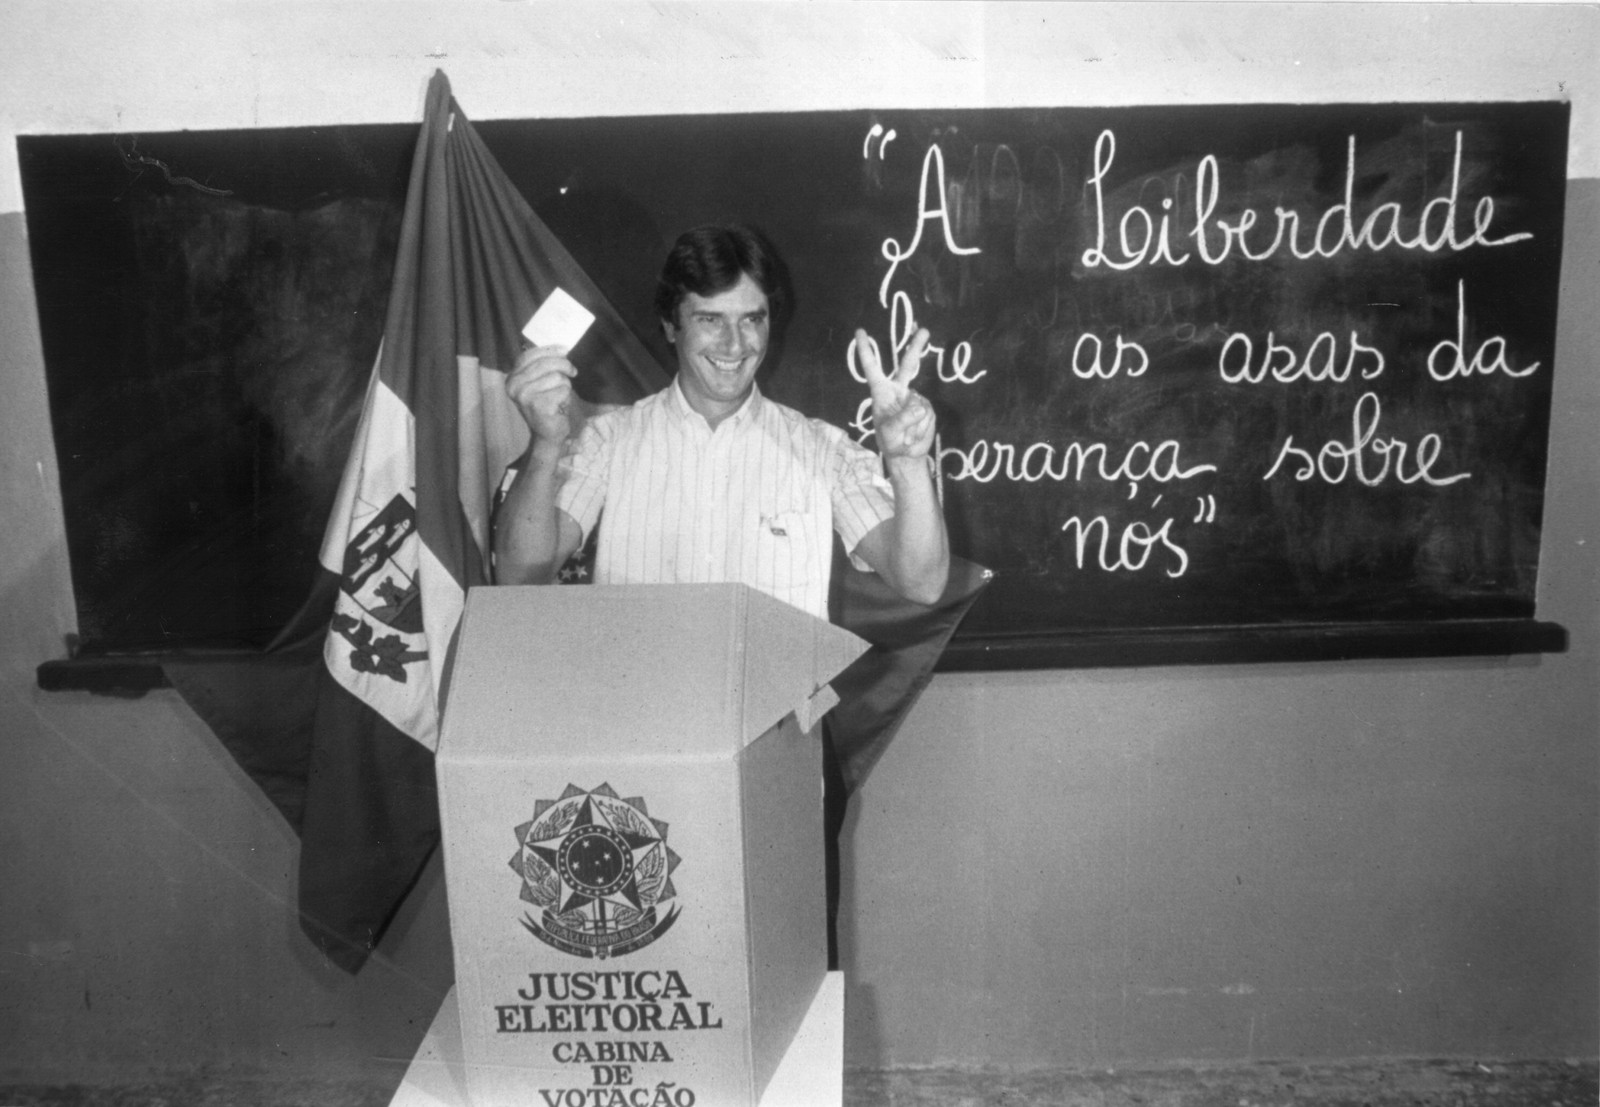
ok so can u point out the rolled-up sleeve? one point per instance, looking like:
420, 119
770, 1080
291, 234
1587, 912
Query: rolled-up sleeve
862, 496
584, 471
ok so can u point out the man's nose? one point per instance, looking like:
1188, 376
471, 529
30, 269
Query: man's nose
737, 341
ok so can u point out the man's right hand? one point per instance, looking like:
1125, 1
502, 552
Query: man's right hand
541, 387
534, 537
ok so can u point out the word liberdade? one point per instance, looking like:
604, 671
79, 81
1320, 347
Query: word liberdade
1146, 239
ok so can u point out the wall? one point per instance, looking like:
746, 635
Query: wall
1073, 868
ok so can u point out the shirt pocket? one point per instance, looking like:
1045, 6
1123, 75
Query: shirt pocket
790, 547
791, 516
783, 524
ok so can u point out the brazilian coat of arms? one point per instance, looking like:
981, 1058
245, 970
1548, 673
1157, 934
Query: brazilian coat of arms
598, 869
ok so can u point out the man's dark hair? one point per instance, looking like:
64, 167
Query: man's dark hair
710, 259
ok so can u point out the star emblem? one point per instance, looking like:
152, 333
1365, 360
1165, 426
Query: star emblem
596, 864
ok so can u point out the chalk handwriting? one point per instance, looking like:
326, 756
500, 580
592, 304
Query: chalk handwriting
1490, 357
1136, 219
884, 137
1132, 549
1337, 460
1144, 239
1090, 365
894, 252
902, 326
986, 460
1238, 365
951, 366
1182, 219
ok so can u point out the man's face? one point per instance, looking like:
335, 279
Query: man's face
721, 340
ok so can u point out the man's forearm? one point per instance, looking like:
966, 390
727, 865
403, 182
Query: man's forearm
918, 561
528, 533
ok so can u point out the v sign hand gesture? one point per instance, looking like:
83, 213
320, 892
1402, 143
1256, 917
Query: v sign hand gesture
911, 551
903, 419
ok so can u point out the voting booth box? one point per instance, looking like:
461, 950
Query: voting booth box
630, 794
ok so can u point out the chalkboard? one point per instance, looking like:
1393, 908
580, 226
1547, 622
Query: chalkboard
210, 304
1197, 368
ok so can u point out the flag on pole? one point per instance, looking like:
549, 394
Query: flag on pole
409, 533
338, 719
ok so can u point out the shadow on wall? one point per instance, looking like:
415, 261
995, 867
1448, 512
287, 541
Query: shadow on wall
148, 919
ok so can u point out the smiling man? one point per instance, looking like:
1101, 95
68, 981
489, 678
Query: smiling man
710, 481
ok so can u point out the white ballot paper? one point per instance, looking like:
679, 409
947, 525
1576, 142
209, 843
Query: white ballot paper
560, 321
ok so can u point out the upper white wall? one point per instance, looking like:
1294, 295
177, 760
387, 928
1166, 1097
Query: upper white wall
80, 66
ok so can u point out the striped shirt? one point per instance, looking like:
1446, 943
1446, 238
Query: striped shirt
754, 500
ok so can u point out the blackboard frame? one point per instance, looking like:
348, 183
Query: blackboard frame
1254, 645
133, 675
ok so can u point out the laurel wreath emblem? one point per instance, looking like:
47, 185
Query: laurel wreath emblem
598, 869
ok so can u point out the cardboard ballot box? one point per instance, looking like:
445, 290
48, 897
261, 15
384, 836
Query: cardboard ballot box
630, 791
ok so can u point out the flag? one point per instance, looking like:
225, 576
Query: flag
337, 719
879, 688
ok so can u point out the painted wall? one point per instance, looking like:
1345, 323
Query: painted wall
1073, 868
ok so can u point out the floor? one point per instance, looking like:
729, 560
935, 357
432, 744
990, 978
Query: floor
1398, 1083
1377, 1084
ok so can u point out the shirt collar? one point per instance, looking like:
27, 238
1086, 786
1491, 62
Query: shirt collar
678, 404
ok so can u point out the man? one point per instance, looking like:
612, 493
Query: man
708, 480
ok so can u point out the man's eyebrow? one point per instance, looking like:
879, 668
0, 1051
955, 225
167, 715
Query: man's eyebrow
707, 313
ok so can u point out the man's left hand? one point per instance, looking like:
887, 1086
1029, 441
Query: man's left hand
902, 419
